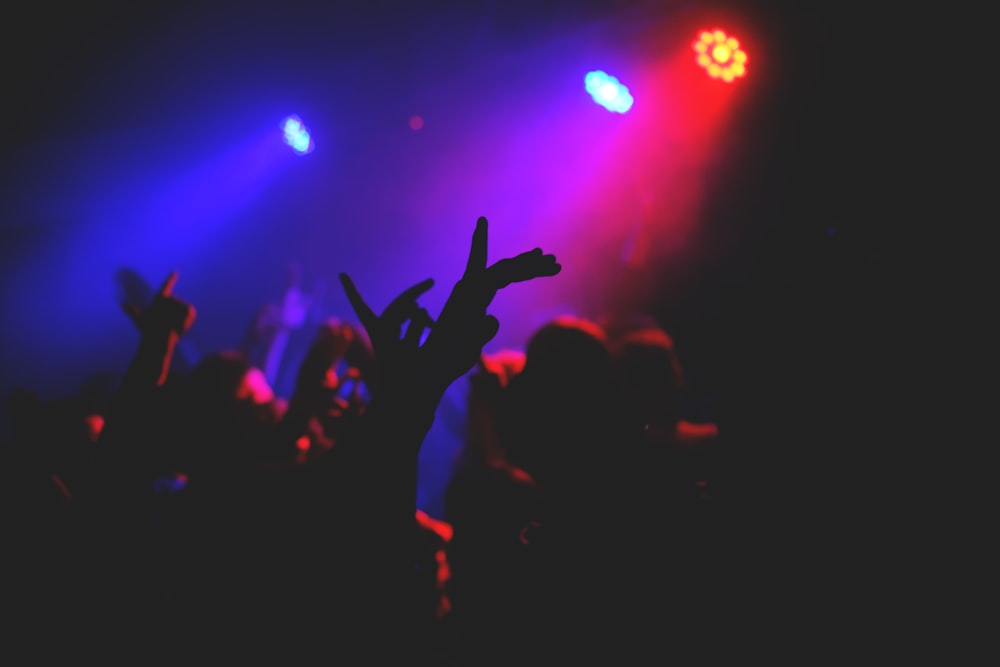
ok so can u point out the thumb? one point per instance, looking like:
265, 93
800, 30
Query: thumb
488, 329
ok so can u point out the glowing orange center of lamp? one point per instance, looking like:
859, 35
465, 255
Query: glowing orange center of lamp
727, 61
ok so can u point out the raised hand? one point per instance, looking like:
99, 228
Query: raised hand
394, 351
456, 339
161, 323
463, 327
165, 315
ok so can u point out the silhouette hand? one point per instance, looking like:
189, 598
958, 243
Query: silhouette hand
166, 314
455, 341
395, 352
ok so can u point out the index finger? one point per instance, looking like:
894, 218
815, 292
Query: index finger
477, 254
361, 309
168, 285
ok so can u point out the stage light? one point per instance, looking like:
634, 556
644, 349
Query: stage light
720, 55
297, 135
608, 91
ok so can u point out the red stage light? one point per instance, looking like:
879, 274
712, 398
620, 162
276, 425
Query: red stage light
720, 55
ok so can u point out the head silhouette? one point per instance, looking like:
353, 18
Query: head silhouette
228, 409
649, 372
563, 413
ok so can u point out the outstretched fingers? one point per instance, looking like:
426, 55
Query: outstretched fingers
389, 325
402, 307
520, 268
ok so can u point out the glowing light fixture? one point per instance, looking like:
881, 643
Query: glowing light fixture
608, 91
297, 135
720, 55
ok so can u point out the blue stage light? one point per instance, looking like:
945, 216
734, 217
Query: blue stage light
297, 135
608, 91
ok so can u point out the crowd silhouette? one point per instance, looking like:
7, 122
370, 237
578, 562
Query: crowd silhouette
197, 514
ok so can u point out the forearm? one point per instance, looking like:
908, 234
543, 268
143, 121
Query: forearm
403, 413
151, 363
133, 405
377, 461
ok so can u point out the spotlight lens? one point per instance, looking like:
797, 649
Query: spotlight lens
720, 55
296, 135
608, 91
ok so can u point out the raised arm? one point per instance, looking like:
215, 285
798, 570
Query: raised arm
376, 479
135, 410
160, 325
413, 376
